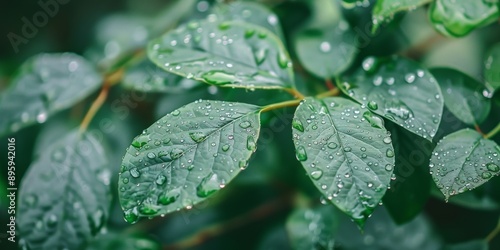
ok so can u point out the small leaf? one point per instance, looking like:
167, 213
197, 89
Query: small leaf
64, 197
250, 12
463, 95
400, 90
187, 156
147, 77
463, 161
492, 67
46, 84
229, 54
312, 228
385, 10
347, 153
326, 52
459, 18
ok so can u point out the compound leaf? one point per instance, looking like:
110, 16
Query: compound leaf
463, 95
459, 18
46, 84
229, 54
64, 196
463, 161
399, 90
186, 156
346, 152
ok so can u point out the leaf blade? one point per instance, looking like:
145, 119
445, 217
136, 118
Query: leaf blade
463, 161
47, 83
186, 156
343, 163
65, 194
400, 90
228, 54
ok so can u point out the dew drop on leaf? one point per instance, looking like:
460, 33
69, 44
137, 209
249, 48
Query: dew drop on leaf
197, 136
372, 105
160, 180
148, 209
492, 167
251, 143
297, 124
151, 155
225, 148
176, 153
169, 197
316, 174
389, 153
245, 124
209, 185
486, 175
332, 145
301, 153
131, 216
134, 172
176, 112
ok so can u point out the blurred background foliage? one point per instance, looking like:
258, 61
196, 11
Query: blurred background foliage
252, 212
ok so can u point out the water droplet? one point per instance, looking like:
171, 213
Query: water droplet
218, 77
251, 143
369, 64
283, 61
51, 220
301, 153
225, 148
176, 153
161, 179
297, 124
316, 174
389, 167
486, 175
134, 172
245, 124
389, 153
374, 120
31, 200
151, 155
325, 47
125, 180
197, 136
399, 109
169, 197
262, 35
332, 145
492, 167
410, 78
377, 80
249, 33
59, 154
387, 140
131, 215
148, 209
224, 25
209, 185
347, 149
242, 164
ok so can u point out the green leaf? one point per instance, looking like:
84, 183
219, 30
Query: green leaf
64, 197
346, 152
326, 52
459, 18
250, 12
463, 161
46, 84
111, 241
186, 156
472, 199
463, 95
312, 228
492, 67
147, 77
400, 90
385, 10
229, 54
469, 245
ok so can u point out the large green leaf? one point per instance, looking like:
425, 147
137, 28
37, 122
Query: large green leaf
463, 95
312, 228
231, 54
346, 152
385, 10
250, 12
64, 197
459, 18
400, 90
463, 161
46, 84
492, 67
186, 156
328, 51
147, 77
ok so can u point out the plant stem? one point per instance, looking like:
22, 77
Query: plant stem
284, 104
331, 92
329, 84
493, 233
493, 132
295, 93
109, 81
